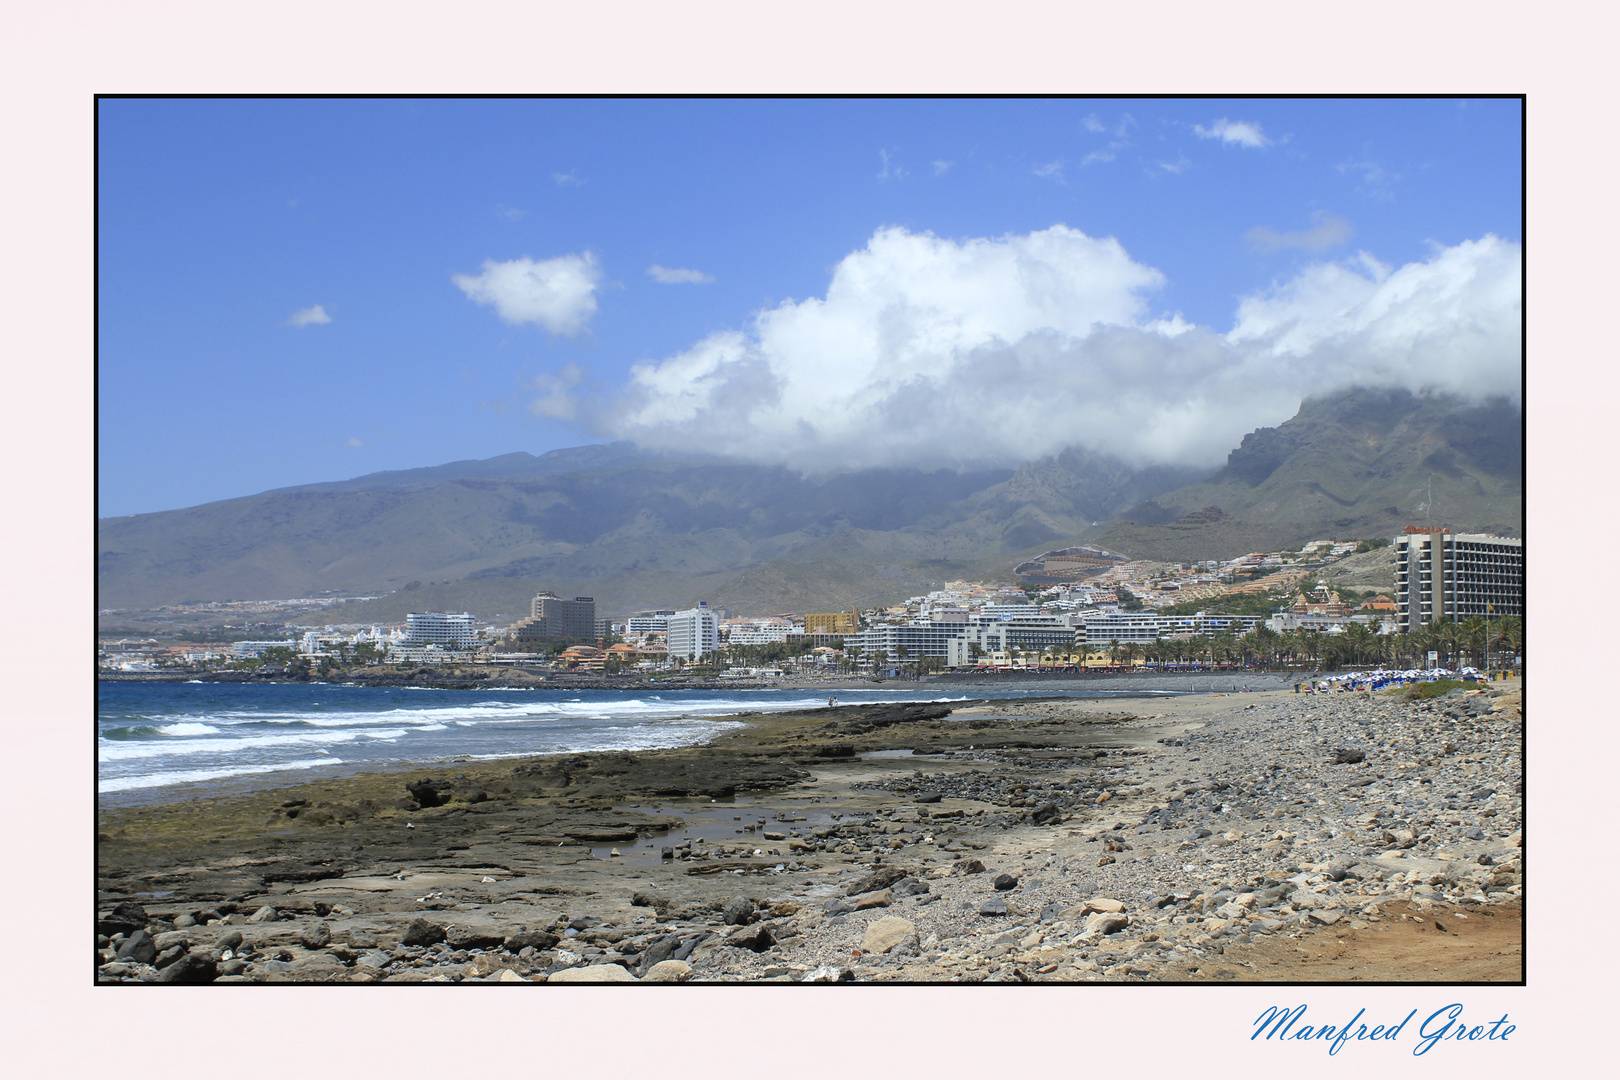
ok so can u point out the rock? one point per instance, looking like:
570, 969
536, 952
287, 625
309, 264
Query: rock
1350, 757
829, 973
1004, 882
375, 960
318, 936
263, 915
183, 921
909, 887
928, 797
170, 939
422, 932
530, 939
126, 918
668, 971
1106, 923
231, 941
660, 904
738, 910
596, 973
881, 878
362, 939
473, 937
1045, 813
755, 938
886, 933
1326, 918
169, 956
993, 907
191, 969
968, 866
486, 964
881, 898
138, 948
507, 975
1104, 904
427, 793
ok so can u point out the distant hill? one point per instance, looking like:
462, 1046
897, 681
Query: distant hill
641, 530
1360, 463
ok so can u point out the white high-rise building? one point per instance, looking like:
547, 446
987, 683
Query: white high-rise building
693, 633
440, 628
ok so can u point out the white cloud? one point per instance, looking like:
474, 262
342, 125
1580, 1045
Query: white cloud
1376, 181
890, 171
557, 400
942, 167
665, 275
943, 353
1093, 125
310, 316
1101, 155
1051, 171
1241, 132
570, 178
511, 213
1176, 167
559, 294
1327, 232
356, 442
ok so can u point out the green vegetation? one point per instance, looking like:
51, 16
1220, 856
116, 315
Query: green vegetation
1241, 604
1128, 601
1423, 691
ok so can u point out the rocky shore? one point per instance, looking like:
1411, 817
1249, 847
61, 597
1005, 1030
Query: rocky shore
1237, 837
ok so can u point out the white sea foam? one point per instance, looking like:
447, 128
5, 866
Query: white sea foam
125, 751
131, 783
187, 727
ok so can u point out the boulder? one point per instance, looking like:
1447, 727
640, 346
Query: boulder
596, 973
170, 939
886, 933
1046, 813
968, 866
263, 915
738, 911
829, 973
191, 969
1350, 757
231, 941
138, 948
1106, 923
668, 971
473, 937
1103, 904
1005, 882
881, 898
881, 878
755, 938
422, 932
530, 939
316, 937
993, 907
427, 793
125, 918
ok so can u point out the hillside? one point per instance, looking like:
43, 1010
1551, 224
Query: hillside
638, 530
1360, 463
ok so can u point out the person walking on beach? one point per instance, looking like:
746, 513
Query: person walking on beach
832, 701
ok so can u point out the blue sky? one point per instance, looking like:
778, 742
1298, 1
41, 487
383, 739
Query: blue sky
296, 291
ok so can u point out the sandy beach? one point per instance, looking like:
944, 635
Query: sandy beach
1246, 837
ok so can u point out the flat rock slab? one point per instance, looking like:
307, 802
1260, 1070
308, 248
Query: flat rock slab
596, 973
886, 933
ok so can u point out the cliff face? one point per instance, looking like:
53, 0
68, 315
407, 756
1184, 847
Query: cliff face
1358, 463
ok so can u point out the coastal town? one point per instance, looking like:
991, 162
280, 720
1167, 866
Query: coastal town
1452, 599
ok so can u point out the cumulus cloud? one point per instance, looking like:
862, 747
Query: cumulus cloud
1327, 232
1241, 132
935, 353
665, 275
310, 316
1092, 124
942, 167
1050, 171
558, 294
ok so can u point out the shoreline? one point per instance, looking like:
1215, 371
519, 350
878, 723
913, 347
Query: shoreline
1085, 806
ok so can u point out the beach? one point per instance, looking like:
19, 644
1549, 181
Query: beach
1217, 836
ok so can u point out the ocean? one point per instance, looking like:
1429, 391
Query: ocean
157, 742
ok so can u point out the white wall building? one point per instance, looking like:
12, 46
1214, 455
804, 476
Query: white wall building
693, 633
440, 628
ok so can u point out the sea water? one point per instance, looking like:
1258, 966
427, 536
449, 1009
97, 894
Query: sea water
161, 741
